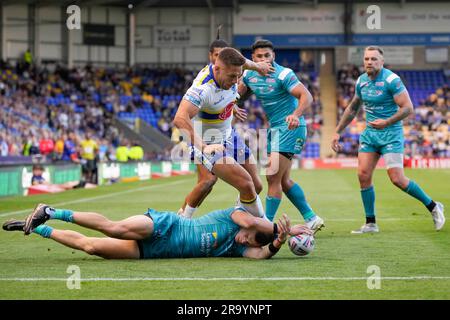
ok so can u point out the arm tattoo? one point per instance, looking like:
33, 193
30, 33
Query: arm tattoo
401, 114
350, 112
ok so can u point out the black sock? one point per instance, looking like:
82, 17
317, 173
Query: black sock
370, 220
431, 206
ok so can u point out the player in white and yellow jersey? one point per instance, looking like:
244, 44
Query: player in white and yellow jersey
205, 116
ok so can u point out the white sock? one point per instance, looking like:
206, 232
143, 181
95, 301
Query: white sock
255, 208
189, 211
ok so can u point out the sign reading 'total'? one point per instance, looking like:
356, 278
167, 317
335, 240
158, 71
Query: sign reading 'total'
172, 36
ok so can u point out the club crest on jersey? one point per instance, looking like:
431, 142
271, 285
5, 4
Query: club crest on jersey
253, 80
227, 111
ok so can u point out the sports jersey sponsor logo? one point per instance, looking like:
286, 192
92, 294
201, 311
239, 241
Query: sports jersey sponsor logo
220, 100
379, 84
197, 90
208, 241
271, 80
227, 111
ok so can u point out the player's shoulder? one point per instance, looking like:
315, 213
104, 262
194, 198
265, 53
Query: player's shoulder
389, 75
203, 76
249, 74
363, 77
282, 72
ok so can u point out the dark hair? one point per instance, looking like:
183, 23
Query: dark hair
262, 43
370, 48
263, 238
38, 167
231, 56
218, 43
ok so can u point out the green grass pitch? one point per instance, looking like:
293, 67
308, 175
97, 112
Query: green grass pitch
414, 259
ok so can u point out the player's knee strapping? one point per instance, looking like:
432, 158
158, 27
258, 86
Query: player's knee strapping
61, 214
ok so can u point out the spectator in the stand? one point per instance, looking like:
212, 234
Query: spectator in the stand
34, 147
59, 147
70, 150
89, 151
136, 152
46, 145
122, 151
3, 146
103, 151
28, 59
111, 153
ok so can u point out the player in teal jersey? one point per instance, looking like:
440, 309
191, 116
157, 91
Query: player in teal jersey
231, 232
284, 98
386, 102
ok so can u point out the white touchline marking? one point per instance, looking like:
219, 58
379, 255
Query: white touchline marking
98, 197
230, 279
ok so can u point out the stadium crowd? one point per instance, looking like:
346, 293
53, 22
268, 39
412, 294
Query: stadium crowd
47, 112
43, 111
426, 130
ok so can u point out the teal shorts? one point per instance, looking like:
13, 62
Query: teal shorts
159, 243
381, 141
281, 139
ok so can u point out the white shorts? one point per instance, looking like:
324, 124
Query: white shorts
393, 160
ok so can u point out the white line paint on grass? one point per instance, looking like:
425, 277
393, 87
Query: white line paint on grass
424, 277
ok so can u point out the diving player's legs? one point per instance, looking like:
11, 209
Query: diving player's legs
204, 186
394, 162
234, 174
133, 228
367, 162
107, 248
296, 195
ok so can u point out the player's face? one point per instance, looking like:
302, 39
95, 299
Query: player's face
213, 55
263, 55
247, 238
227, 75
373, 61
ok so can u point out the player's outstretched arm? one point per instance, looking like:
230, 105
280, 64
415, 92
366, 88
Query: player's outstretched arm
271, 249
245, 220
305, 100
263, 68
349, 114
